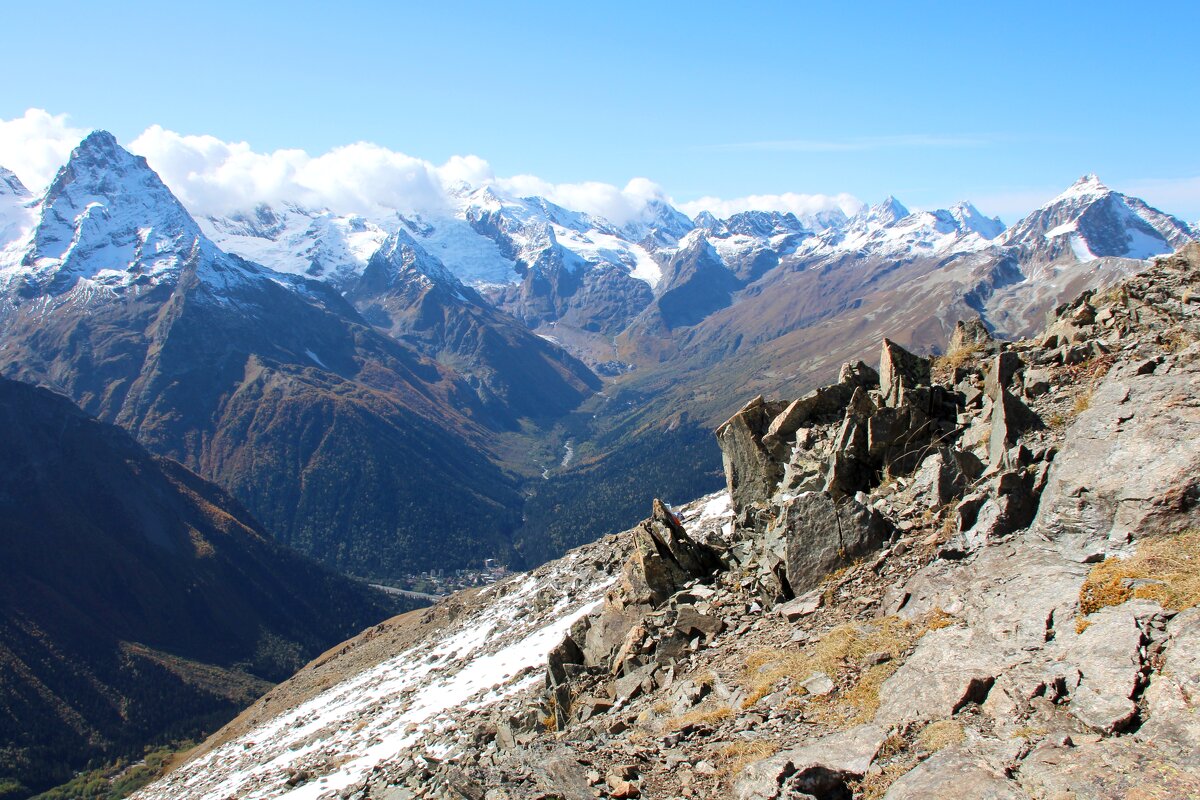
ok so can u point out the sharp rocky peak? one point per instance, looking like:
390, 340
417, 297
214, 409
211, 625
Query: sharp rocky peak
970, 219
102, 172
1088, 185
889, 211
402, 255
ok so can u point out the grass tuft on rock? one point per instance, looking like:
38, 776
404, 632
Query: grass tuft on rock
1165, 569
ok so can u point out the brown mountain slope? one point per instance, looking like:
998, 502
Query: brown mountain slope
137, 601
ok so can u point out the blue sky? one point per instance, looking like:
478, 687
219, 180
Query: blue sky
933, 102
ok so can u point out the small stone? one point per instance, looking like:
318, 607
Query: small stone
818, 684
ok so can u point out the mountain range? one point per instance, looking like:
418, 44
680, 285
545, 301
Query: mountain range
503, 377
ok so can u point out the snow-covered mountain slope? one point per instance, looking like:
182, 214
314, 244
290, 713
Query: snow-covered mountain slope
298, 241
492, 649
1090, 221
486, 238
969, 218
539, 235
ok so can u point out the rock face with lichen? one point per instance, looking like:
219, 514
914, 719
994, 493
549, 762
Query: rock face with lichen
885, 602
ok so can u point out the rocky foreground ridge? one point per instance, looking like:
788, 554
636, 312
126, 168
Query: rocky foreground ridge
972, 577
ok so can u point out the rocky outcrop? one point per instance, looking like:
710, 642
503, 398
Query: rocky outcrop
969, 333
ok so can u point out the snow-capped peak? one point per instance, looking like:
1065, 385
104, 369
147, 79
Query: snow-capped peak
107, 220
16, 216
1087, 187
402, 256
1090, 221
889, 211
970, 220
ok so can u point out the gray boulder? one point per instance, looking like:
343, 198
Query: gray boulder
822, 535
1010, 419
1002, 370
968, 333
1131, 465
822, 769
751, 473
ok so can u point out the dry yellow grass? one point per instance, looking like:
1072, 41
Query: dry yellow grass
1082, 403
1178, 339
704, 714
945, 364
1169, 564
838, 654
938, 735
874, 785
735, 757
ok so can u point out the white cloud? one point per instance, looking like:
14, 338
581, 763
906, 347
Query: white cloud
215, 177
614, 204
799, 204
211, 176
35, 145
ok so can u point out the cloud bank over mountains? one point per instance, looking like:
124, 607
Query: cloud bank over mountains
215, 177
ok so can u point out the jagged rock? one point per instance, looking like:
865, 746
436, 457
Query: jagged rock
625, 660
751, 473
1175, 691
819, 403
1110, 769
1002, 369
900, 370
822, 769
1010, 504
968, 333
665, 558
588, 707
849, 469
955, 773
942, 476
1010, 419
822, 535
804, 605
630, 686
1037, 382
697, 560
691, 622
564, 776
609, 631
858, 373
818, 684
652, 574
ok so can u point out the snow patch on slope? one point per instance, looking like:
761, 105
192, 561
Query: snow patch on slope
342, 733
